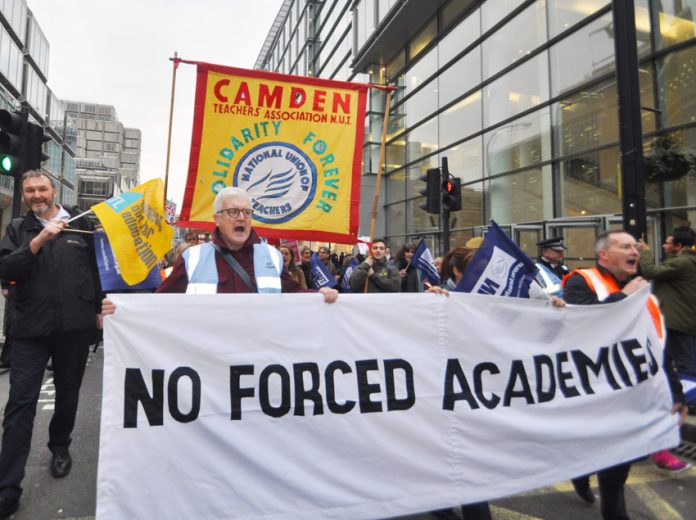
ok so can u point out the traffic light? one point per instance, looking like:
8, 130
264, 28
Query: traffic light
431, 191
13, 131
452, 194
33, 150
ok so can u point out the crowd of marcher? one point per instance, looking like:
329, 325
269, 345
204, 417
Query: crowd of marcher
58, 308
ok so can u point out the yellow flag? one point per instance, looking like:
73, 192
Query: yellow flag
136, 228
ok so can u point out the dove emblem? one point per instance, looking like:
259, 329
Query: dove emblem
280, 179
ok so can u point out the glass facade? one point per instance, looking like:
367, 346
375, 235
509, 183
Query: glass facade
24, 58
519, 95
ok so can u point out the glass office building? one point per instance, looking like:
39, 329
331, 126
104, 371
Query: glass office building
519, 95
24, 56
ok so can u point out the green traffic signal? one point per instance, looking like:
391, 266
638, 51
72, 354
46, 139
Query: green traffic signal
13, 132
6, 164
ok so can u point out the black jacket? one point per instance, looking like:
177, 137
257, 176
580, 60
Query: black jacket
57, 289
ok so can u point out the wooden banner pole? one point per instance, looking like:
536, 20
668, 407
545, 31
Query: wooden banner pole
380, 170
175, 61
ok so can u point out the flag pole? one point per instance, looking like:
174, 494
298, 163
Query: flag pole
80, 215
175, 61
380, 169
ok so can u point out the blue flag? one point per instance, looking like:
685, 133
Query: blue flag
321, 277
345, 286
109, 273
688, 382
423, 260
499, 268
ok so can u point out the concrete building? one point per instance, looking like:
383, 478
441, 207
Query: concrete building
24, 53
108, 154
519, 95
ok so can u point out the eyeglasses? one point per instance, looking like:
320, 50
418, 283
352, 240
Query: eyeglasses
235, 212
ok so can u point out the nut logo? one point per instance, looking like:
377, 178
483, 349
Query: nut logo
279, 178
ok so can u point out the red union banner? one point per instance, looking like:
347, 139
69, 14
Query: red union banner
293, 143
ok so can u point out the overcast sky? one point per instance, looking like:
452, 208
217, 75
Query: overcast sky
116, 52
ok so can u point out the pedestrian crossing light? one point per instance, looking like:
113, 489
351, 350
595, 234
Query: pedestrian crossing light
431, 191
452, 194
13, 130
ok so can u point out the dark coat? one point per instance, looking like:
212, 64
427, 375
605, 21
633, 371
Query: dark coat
385, 279
57, 289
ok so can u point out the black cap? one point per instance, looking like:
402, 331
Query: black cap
552, 243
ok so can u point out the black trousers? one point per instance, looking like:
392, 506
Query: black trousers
29, 357
611, 490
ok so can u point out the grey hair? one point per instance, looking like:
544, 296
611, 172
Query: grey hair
229, 191
603, 241
31, 174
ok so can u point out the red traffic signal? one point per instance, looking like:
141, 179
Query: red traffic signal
452, 194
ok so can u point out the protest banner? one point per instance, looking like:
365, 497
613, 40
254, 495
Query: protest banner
445, 401
293, 143
294, 246
137, 230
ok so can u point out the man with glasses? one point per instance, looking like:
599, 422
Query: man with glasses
235, 261
191, 237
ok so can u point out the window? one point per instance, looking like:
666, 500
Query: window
590, 184
514, 40
461, 77
518, 144
421, 40
677, 21
582, 56
676, 78
493, 11
460, 37
422, 140
465, 160
563, 14
518, 90
460, 120
587, 120
525, 196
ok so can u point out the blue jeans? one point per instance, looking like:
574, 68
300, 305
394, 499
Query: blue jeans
69, 352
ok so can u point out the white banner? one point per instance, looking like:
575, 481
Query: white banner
283, 407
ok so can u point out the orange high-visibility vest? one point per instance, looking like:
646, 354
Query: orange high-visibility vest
603, 284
